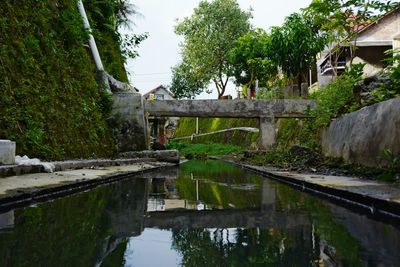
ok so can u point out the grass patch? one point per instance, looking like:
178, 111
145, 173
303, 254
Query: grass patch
204, 150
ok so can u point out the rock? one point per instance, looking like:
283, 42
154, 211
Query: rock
158, 146
305, 156
363, 90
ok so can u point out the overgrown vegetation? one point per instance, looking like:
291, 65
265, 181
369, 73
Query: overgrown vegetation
106, 17
203, 150
335, 99
389, 90
187, 126
50, 102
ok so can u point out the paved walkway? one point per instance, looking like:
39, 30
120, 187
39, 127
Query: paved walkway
375, 196
23, 189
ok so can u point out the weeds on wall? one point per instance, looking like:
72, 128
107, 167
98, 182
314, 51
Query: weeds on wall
332, 101
392, 168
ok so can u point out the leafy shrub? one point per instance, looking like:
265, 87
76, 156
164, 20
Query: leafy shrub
389, 90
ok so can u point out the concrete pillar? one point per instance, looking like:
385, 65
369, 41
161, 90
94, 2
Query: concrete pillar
279, 92
197, 125
128, 123
287, 92
7, 152
267, 132
268, 196
161, 131
295, 91
304, 90
155, 128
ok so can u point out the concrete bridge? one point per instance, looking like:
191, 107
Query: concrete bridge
265, 110
130, 112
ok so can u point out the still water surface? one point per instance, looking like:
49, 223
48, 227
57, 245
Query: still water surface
207, 213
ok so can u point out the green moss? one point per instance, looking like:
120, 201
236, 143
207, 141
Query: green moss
51, 104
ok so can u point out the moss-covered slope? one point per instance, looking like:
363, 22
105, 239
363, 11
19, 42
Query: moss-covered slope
50, 103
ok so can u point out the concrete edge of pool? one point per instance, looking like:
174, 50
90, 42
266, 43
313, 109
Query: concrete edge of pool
21, 190
374, 197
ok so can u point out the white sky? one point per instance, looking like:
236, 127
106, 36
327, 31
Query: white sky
160, 51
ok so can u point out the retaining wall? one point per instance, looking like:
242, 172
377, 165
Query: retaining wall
360, 137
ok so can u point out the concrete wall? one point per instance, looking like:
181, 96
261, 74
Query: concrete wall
373, 57
360, 137
382, 30
128, 123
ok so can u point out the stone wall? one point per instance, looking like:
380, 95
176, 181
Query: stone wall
360, 137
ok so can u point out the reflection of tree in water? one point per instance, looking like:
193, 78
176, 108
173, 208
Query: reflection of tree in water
219, 184
76, 230
239, 247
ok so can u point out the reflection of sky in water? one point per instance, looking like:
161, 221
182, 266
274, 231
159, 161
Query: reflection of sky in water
151, 248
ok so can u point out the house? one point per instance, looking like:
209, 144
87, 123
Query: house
159, 93
372, 41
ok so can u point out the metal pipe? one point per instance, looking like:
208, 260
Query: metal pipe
92, 43
197, 125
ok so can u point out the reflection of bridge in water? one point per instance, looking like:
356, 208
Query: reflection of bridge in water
129, 216
265, 216
224, 219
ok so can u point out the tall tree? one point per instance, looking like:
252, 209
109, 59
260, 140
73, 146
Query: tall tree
251, 58
209, 35
296, 43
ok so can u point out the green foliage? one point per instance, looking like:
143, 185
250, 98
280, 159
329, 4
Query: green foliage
390, 90
250, 58
392, 169
276, 156
51, 104
333, 100
209, 34
106, 18
187, 82
295, 45
204, 150
130, 43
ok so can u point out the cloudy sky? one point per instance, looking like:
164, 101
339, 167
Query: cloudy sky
160, 51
